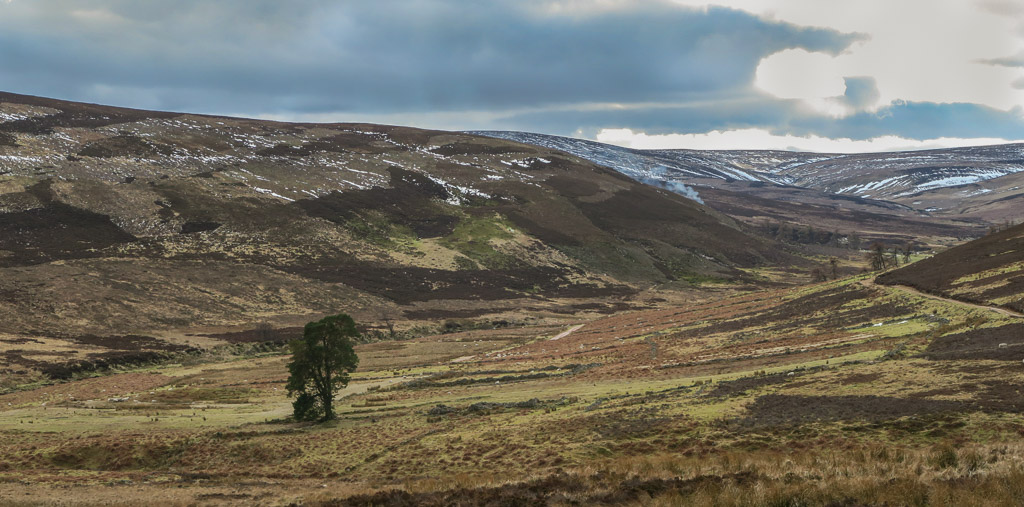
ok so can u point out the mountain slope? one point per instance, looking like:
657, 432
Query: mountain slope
678, 165
878, 175
987, 271
955, 191
902, 398
233, 220
168, 229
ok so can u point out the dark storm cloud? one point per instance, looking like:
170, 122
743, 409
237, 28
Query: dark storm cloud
919, 120
512, 64
262, 57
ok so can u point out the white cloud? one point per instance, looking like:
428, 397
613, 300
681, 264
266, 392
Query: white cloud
760, 139
780, 74
916, 50
785, 75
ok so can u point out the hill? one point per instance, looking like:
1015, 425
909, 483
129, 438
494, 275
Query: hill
139, 256
124, 223
838, 393
886, 176
945, 195
987, 271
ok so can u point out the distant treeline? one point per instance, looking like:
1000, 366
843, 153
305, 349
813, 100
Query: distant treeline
807, 235
994, 228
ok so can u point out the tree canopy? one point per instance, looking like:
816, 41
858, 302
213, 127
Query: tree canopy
321, 362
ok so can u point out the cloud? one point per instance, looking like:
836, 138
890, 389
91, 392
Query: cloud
784, 75
942, 51
765, 140
1016, 60
825, 89
1003, 7
269, 57
912, 120
913, 69
916, 120
861, 93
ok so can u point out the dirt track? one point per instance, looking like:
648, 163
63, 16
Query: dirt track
998, 309
565, 333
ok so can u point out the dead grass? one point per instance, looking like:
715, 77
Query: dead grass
618, 420
868, 475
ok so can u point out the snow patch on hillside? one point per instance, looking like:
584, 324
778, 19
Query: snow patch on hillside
272, 193
457, 193
883, 175
6, 117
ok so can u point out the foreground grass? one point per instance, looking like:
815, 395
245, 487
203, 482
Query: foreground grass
830, 394
855, 475
871, 475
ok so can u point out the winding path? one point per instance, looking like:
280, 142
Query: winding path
998, 309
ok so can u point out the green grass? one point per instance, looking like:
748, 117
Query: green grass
375, 228
475, 237
229, 419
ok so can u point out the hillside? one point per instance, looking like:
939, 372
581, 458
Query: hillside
987, 271
122, 223
947, 194
838, 393
153, 263
885, 176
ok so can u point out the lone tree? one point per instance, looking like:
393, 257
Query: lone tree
321, 362
833, 263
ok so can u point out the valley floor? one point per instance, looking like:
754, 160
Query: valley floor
839, 393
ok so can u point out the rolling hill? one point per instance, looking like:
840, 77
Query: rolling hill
844, 392
947, 194
117, 222
885, 176
151, 264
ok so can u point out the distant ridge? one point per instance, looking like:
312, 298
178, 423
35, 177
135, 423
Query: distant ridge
884, 175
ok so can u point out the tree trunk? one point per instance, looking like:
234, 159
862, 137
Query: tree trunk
328, 391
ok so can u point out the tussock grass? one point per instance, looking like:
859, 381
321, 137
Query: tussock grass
869, 475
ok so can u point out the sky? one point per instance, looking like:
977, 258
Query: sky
812, 75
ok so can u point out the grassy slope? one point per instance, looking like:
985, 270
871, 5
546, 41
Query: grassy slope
828, 393
140, 207
884, 221
988, 271
840, 392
